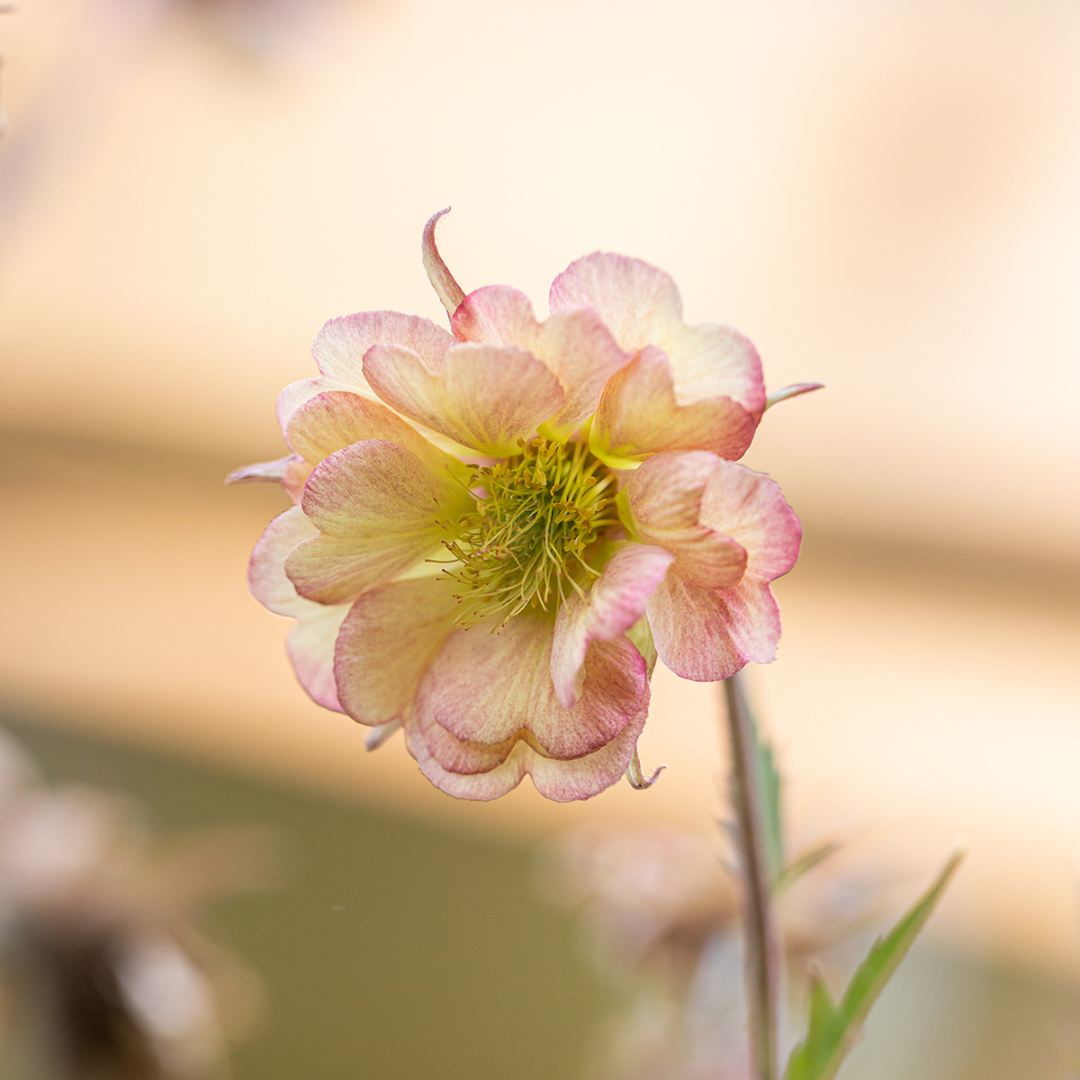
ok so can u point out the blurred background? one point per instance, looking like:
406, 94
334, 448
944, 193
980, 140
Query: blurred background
885, 196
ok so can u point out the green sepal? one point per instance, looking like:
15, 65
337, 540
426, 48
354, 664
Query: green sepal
832, 1029
640, 635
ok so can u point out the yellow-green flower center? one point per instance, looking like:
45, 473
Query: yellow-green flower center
527, 542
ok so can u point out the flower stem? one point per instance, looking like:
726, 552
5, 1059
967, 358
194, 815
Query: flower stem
759, 929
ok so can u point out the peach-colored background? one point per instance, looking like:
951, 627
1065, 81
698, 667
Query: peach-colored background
885, 196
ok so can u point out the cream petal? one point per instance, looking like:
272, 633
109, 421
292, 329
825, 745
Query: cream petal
484, 775
331, 421
311, 641
616, 601
709, 634
267, 579
664, 498
638, 416
486, 397
714, 360
341, 344
574, 344
379, 510
487, 687
749, 508
391, 636
311, 651
639, 304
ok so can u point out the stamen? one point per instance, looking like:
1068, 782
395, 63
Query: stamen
526, 544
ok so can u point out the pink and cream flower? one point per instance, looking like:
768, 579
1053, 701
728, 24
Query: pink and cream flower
498, 528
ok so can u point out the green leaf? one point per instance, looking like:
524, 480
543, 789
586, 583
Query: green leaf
833, 1028
804, 862
768, 789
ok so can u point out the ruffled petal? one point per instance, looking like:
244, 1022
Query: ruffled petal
638, 416
311, 652
340, 345
612, 606
486, 688
485, 397
714, 360
638, 303
749, 508
664, 498
379, 510
388, 641
641, 306
574, 344
561, 781
311, 641
331, 421
709, 634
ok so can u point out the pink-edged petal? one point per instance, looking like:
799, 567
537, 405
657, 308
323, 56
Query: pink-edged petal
496, 315
638, 303
665, 497
486, 687
483, 774
311, 651
391, 636
267, 579
749, 508
341, 344
331, 421
709, 634
296, 394
486, 397
574, 344
714, 360
638, 416
612, 606
449, 292
311, 641
379, 510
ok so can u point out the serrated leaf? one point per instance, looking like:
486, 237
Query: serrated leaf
832, 1029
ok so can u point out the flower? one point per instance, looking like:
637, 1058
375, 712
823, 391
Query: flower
497, 529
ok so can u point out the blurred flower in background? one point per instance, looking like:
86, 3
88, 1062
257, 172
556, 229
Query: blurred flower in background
104, 973
659, 915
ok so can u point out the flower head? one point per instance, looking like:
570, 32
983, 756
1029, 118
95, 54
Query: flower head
498, 528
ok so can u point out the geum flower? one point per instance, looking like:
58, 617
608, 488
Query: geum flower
499, 528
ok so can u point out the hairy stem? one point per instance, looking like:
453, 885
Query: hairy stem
759, 929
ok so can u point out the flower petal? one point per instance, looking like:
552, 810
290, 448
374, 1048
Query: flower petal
639, 304
613, 605
485, 397
379, 509
638, 415
562, 781
391, 636
714, 360
487, 687
665, 497
311, 651
749, 508
311, 641
331, 421
709, 634
340, 345
574, 344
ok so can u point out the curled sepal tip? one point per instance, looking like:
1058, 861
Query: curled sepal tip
380, 733
442, 281
794, 390
637, 778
